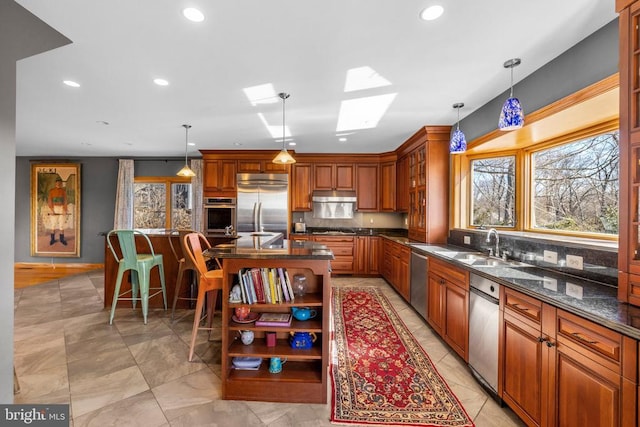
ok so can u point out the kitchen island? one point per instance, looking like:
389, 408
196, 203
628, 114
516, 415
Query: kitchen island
304, 376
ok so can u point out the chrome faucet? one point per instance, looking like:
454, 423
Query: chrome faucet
495, 233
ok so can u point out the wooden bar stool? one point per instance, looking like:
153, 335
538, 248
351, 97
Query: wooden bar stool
184, 264
140, 266
209, 281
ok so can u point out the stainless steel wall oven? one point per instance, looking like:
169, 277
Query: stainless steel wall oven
219, 213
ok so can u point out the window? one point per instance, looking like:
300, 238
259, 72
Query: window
162, 202
575, 186
493, 191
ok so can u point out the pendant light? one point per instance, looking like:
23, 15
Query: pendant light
186, 170
511, 116
283, 157
458, 143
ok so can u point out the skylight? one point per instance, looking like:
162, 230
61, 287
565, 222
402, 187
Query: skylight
363, 78
71, 83
432, 12
261, 94
363, 113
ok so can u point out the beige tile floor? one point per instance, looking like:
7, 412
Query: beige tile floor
131, 374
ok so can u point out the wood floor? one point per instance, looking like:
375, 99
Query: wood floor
29, 274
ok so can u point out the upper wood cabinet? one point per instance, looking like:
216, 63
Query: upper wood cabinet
629, 219
261, 166
333, 176
402, 184
219, 178
388, 187
367, 187
301, 187
427, 153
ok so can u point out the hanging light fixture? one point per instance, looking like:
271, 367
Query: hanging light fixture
186, 170
283, 157
458, 143
511, 116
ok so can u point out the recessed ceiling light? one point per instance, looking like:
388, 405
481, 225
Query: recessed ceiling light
432, 12
161, 82
71, 83
103, 122
343, 139
192, 144
237, 144
291, 143
193, 14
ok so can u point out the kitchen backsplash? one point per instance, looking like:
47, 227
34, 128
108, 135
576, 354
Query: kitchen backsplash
359, 220
599, 260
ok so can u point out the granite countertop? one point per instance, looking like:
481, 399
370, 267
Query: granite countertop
322, 231
269, 246
592, 300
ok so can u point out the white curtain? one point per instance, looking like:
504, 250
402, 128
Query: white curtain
196, 192
123, 217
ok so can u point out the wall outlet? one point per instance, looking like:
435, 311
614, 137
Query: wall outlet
467, 240
574, 290
550, 283
551, 257
574, 261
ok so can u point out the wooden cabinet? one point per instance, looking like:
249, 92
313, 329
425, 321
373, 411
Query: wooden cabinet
558, 369
304, 376
629, 220
219, 178
343, 248
301, 188
388, 186
367, 187
448, 304
402, 184
427, 157
333, 176
367, 255
261, 166
395, 266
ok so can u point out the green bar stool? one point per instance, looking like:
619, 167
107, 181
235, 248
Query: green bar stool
140, 266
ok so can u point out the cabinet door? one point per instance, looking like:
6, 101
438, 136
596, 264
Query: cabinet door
388, 187
250, 166
402, 184
456, 315
211, 175
386, 259
403, 274
323, 176
367, 188
373, 254
434, 303
301, 187
228, 178
344, 177
522, 369
219, 177
361, 255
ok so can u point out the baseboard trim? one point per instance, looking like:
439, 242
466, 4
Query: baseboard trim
32, 265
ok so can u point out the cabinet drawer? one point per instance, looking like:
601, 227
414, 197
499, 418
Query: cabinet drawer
341, 250
588, 336
331, 240
448, 271
523, 305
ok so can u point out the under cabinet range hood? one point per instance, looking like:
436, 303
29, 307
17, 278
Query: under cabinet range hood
333, 204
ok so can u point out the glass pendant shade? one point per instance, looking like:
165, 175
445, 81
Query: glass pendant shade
458, 143
283, 157
186, 170
512, 115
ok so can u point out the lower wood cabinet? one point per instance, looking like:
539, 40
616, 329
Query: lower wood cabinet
448, 304
395, 266
558, 369
343, 248
367, 255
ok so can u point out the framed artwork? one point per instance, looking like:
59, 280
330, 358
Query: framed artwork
55, 209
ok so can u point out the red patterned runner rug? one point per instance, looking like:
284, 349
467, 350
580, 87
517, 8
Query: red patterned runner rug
380, 373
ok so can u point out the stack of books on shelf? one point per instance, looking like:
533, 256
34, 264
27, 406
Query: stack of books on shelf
274, 319
265, 285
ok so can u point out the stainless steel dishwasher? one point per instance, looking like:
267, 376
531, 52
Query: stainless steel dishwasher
418, 284
484, 318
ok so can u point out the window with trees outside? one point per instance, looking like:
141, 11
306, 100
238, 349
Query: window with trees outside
575, 186
493, 192
162, 203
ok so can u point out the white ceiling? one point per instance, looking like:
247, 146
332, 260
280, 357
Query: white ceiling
303, 47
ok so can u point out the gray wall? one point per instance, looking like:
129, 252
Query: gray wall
98, 191
589, 61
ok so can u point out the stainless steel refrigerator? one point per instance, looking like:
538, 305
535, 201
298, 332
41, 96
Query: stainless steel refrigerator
262, 203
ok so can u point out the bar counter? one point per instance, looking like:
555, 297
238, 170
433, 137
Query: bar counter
160, 241
269, 246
